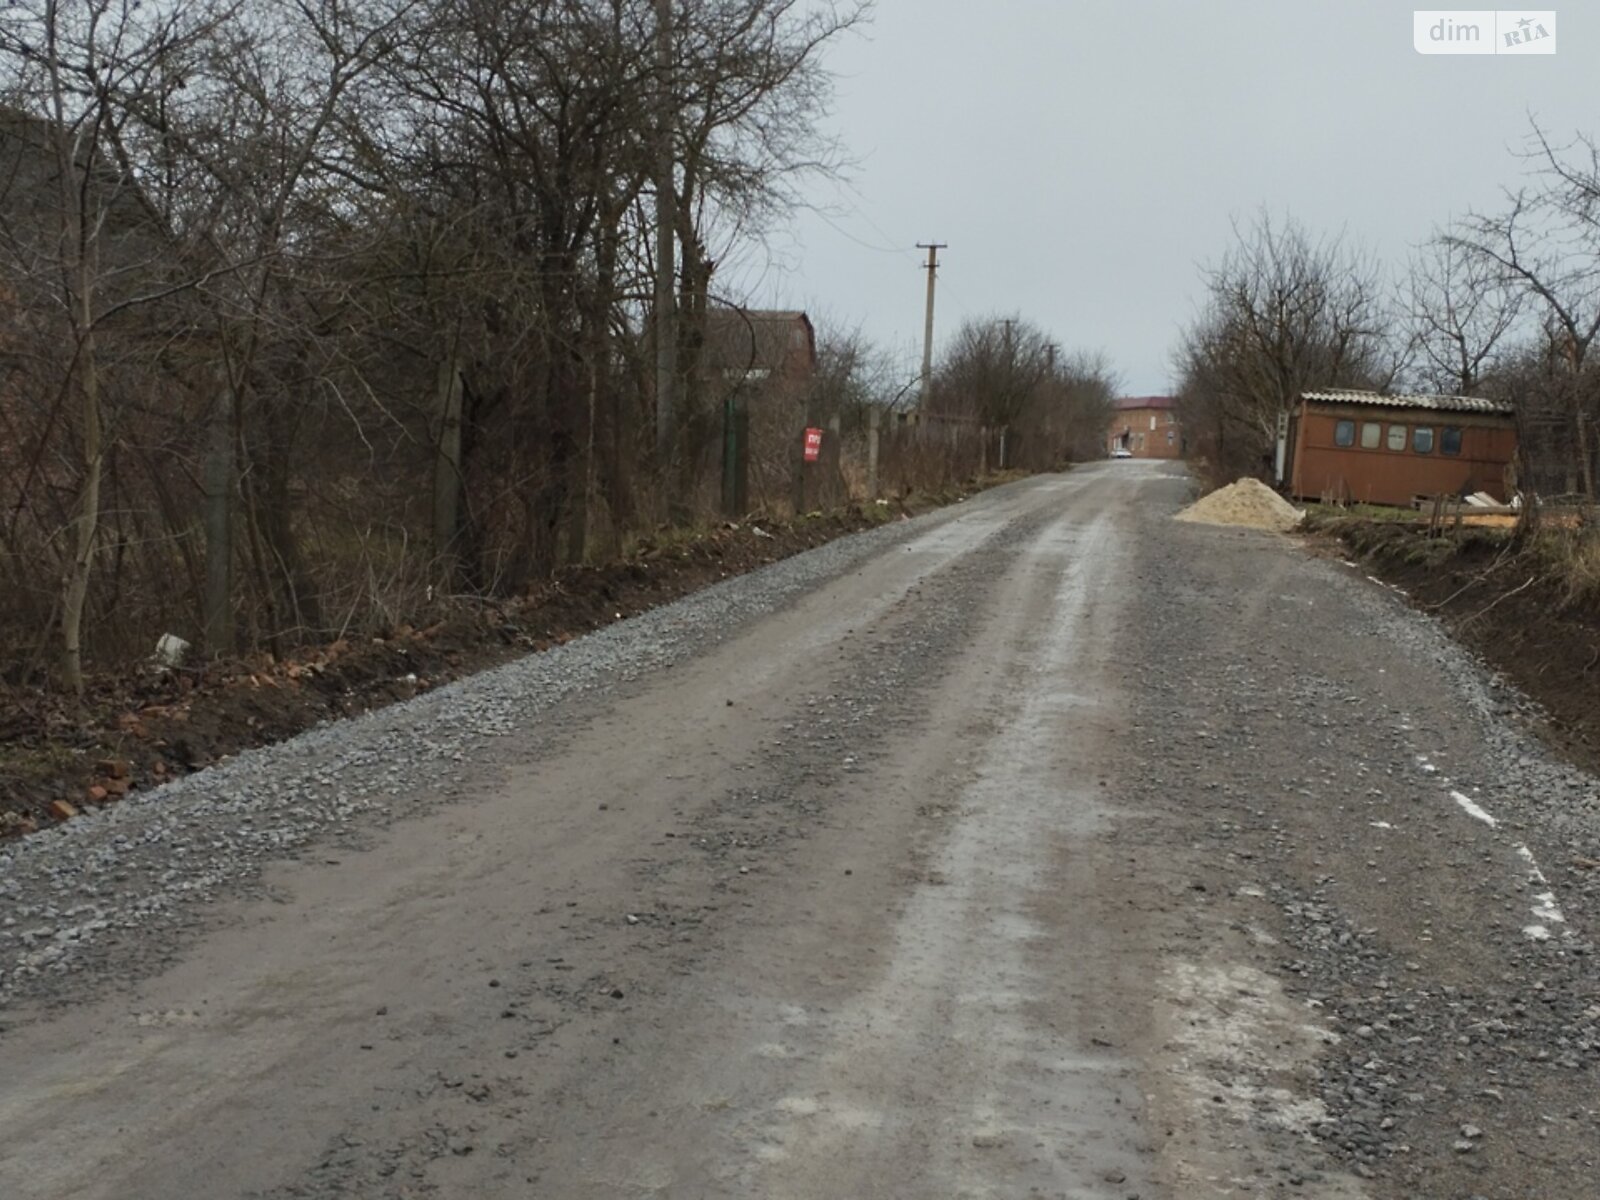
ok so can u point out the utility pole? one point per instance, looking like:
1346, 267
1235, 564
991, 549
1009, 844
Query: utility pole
932, 268
1010, 378
1010, 384
666, 302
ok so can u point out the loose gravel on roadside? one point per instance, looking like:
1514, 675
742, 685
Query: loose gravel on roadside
1342, 760
114, 889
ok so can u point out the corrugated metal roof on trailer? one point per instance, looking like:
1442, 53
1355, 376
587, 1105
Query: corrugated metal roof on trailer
1418, 400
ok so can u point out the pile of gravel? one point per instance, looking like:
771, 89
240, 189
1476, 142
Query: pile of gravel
1248, 503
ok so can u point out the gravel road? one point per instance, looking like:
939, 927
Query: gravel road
1041, 846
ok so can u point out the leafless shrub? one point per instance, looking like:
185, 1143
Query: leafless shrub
1284, 312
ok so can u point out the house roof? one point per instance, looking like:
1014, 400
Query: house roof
30, 178
1422, 401
136, 251
1138, 402
762, 340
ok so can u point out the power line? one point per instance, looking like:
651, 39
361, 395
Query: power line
865, 245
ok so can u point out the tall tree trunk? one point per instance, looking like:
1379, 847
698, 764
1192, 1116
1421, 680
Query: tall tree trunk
1581, 448
447, 467
601, 444
693, 306
270, 627
616, 426
575, 401
217, 479
299, 598
543, 434
86, 517
581, 473
472, 558
611, 406
617, 460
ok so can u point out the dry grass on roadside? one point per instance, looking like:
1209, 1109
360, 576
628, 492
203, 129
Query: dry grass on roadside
1565, 558
1572, 558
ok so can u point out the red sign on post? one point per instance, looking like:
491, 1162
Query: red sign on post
813, 444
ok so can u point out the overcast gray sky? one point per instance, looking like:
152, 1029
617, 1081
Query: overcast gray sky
1082, 159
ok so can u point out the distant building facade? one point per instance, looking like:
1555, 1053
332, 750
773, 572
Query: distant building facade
758, 368
1146, 427
763, 352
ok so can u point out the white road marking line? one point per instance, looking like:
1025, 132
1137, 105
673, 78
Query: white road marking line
1472, 810
1545, 909
1533, 868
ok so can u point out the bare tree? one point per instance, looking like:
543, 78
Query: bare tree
522, 130
335, 301
1006, 374
1462, 312
1546, 245
88, 244
994, 367
1284, 313
751, 89
853, 375
1083, 388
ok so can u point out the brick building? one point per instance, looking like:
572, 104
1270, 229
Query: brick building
1145, 427
758, 368
763, 351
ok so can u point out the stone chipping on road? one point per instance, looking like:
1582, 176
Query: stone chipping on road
1380, 807
1308, 789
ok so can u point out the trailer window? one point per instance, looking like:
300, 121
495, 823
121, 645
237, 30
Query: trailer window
1422, 439
1450, 440
1344, 433
1397, 437
1371, 435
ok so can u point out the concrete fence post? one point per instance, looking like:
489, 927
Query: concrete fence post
872, 455
833, 455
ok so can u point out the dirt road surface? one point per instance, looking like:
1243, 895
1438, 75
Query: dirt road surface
1042, 846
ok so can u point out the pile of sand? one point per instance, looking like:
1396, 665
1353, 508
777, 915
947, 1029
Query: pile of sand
1249, 502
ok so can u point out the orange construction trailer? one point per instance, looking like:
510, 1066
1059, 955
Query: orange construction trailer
1364, 447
